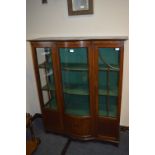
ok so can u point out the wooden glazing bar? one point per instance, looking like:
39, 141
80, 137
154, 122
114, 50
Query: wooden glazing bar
108, 84
49, 95
46, 72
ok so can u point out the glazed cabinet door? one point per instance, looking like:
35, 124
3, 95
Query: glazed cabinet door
75, 61
108, 72
45, 71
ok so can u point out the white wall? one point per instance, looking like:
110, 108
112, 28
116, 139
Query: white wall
110, 18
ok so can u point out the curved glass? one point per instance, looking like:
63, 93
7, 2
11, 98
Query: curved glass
74, 68
46, 77
108, 62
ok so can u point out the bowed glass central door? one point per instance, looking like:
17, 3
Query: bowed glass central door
74, 69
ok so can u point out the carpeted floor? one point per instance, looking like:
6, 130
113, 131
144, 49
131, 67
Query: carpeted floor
52, 144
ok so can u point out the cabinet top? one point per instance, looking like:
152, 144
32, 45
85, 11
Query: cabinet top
81, 38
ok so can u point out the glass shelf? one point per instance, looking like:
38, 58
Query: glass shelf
48, 87
113, 92
81, 90
44, 65
51, 104
74, 66
103, 67
69, 90
76, 91
78, 112
80, 67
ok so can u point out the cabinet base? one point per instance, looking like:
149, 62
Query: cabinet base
74, 134
86, 138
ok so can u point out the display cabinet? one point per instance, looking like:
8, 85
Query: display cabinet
79, 83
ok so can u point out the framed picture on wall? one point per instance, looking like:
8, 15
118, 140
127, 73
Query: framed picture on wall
80, 7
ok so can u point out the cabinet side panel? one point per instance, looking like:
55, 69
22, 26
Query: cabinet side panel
120, 80
52, 121
37, 77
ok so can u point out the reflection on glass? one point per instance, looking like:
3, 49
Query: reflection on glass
108, 62
46, 77
79, 5
74, 69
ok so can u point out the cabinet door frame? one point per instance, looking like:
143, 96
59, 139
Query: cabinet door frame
51, 45
98, 118
35, 45
88, 45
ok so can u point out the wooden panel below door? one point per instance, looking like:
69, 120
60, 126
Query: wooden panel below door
52, 121
78, 127
107, 129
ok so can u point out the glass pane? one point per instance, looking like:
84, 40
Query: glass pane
103, 108
74, 67
103, 105
108, 62
109, 57
80, 5
113, 82
113, 106
46, 77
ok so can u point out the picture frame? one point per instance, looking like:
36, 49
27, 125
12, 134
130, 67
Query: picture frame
80, 7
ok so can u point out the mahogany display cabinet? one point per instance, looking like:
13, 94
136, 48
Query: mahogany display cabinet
79, 82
